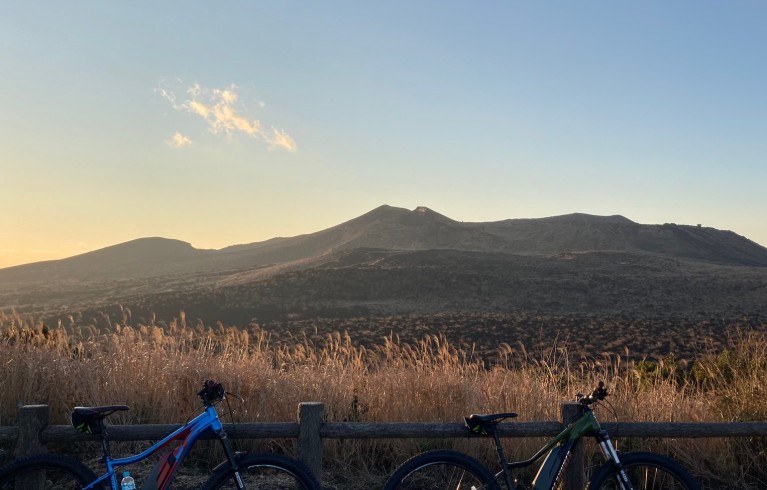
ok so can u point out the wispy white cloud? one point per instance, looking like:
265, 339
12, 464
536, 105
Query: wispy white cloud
280, 139
179, 140
224, 115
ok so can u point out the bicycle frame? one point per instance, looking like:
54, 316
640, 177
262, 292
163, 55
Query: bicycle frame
558, 451
187, 434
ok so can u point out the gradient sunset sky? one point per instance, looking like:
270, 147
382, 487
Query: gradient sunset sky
230, 122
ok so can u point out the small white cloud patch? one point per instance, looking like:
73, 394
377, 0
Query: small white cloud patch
179, 140
225, 116
280, 139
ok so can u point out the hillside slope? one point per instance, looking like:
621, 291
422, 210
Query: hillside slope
137, 258
393, 228
376, 282
396, 260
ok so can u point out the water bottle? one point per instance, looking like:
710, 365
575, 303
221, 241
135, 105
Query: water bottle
127, 483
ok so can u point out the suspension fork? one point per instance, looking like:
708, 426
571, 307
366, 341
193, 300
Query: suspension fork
611, 455
230, 455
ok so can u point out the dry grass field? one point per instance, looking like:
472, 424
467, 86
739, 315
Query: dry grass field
156, 368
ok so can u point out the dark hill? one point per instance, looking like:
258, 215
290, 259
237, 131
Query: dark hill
404, 259
392, 228
136, 258
384, 227
582, 232
380, 283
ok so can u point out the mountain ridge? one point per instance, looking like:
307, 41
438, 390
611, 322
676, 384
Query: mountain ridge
398, 261
393, 228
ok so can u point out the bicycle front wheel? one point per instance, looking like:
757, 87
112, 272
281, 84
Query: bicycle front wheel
45, 472
645, 471
264, 471
441, 469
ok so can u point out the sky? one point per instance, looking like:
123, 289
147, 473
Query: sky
220, 123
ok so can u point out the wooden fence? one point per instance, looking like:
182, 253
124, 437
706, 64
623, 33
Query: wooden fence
32, 432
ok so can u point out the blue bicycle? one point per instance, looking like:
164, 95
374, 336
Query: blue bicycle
239, 470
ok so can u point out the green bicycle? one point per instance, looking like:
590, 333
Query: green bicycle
444, 469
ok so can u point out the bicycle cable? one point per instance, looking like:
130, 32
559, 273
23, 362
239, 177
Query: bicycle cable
612, 410
231, 414
614, 413
191, 415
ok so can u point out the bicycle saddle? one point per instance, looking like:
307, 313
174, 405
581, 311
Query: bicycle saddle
90, 420
483, 424
99, 411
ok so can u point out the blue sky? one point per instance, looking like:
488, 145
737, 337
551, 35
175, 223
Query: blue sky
220, 123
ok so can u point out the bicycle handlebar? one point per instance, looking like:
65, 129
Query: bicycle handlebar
211, 392
599, 394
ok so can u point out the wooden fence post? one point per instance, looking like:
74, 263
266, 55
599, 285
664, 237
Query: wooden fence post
310, 415
32, 420
575, 475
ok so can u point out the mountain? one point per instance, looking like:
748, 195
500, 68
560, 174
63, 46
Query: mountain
136, 258
393, 228
582, 232
389, 256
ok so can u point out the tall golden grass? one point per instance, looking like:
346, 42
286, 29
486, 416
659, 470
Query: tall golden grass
157, 370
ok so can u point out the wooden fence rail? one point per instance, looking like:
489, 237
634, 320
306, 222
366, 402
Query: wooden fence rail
32, 432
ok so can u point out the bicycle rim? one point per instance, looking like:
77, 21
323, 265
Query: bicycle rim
264, 477
266, 472
441, 476
42, 477
441, 470
647, 472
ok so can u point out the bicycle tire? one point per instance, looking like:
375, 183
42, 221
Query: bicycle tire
262, 471
46, 471
441, 469
645, 471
